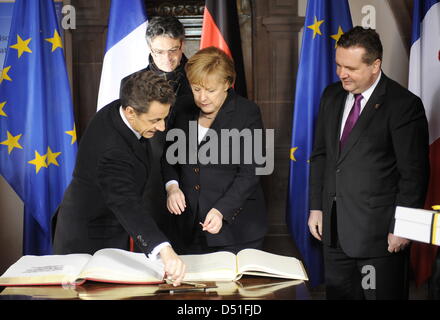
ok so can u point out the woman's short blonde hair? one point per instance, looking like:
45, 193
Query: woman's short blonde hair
210, 61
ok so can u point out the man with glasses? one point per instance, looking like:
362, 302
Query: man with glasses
165, 37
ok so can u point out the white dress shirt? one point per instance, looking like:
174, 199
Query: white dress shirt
350, 101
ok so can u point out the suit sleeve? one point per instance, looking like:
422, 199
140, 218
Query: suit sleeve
116, 178
245, 181
410, 137
318, 160
172, 171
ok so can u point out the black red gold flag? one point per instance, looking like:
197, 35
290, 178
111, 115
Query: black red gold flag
222, 30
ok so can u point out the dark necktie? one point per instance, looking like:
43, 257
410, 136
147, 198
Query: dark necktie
352, 118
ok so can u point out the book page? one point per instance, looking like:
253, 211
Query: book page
120, 266
53, 269
257, 262
217, 266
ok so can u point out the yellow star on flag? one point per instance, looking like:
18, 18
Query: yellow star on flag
2, 105
315, 27
56, 41
292, 153
4, 75
22, 46
12, 142
337, 36
39, 161
73, 134
52, 157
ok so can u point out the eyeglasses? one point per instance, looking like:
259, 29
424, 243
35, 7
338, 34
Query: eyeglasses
163, 53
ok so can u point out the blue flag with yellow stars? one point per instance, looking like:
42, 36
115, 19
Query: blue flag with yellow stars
325, 22
37, 131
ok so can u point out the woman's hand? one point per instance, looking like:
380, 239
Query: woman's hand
176, 203
213, 221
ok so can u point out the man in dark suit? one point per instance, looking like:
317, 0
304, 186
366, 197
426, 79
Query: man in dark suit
103, 207
370, 155
166, 39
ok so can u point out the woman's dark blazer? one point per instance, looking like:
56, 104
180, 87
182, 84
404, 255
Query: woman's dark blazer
233, 189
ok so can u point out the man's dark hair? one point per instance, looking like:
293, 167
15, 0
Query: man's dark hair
141, 88
168, 26
366, 38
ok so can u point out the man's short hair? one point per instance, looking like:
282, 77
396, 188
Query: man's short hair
366, 38
168, 26
141, 88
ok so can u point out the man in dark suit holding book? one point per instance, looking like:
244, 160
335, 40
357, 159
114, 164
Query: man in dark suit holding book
103, 207
370, 155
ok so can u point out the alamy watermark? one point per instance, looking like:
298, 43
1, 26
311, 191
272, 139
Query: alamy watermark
369, 17
248, 146
69, 17
369, 278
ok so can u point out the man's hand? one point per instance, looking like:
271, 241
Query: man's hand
395, 243
315, 223
174, 266
176, 203
213, 221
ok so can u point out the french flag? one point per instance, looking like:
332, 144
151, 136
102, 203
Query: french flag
424, 81
126, 49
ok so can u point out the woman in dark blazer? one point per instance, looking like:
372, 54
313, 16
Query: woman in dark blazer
212, 186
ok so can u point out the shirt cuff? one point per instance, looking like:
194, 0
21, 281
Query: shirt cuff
154, 255
171, 182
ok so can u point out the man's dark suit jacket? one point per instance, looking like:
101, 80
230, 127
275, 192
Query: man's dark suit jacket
383, 164
103, 205
155, 194
233, 189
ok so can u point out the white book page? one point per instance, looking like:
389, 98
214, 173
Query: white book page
52, 269
217, 266
257, 262
117, 265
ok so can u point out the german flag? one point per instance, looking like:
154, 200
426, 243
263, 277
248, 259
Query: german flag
222, 30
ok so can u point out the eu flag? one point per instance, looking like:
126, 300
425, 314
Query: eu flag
325, 22
37, 131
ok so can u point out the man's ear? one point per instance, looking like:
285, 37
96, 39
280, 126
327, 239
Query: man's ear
376, 65
129, 112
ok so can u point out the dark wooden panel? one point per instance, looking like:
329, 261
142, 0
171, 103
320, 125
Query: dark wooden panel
88, 44
275, 59
91, 12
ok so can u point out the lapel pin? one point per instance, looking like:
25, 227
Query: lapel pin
376, 106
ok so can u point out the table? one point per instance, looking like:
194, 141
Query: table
247, 288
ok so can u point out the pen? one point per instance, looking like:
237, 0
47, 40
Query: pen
194, 284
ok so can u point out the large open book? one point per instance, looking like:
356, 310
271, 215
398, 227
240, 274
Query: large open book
120, 266
226, 266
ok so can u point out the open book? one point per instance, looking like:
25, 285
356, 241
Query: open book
106, 265
120, 266
226, 266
